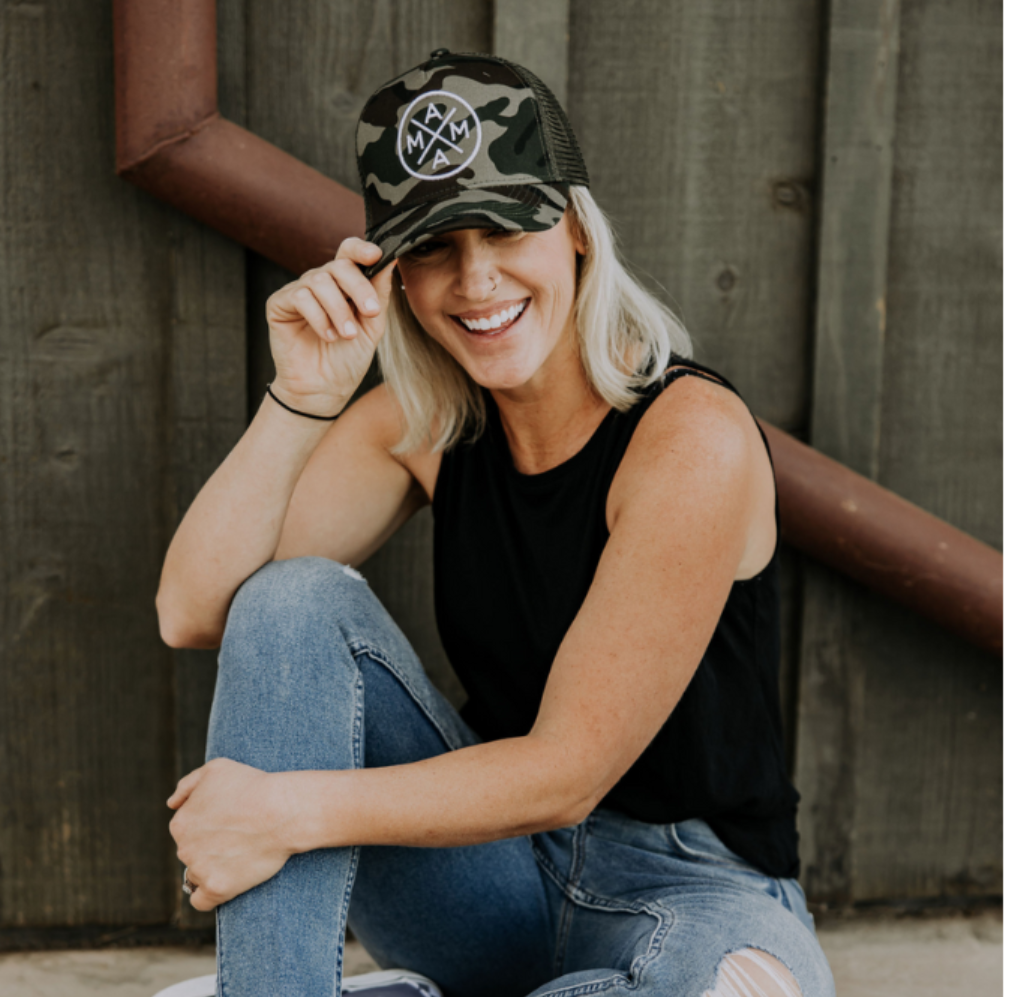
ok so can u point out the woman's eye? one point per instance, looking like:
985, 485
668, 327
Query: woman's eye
425, 249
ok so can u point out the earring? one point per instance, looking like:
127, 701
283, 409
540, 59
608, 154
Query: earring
403, 287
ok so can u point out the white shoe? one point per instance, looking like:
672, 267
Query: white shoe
199, 986
390, 983
386, 983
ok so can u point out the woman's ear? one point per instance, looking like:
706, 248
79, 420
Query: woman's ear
575, 232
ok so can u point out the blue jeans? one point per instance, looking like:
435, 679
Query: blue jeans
314, 674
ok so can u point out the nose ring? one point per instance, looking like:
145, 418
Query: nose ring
493, 281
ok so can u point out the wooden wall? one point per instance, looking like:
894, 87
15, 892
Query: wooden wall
902, 780
814, 187
121, 374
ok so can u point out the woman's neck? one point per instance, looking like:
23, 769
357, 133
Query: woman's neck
552, 418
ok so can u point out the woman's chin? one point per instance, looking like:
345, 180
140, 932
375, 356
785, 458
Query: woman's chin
501, 373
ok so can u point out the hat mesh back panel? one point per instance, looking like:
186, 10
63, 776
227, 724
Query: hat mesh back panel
564, 152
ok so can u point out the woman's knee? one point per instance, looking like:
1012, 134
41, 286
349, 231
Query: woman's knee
754, 973
288, 692
290, 595
291, 616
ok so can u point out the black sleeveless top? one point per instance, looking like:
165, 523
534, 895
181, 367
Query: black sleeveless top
514, 557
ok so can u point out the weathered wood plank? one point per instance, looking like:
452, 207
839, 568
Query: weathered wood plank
858, 159
699, 125
929, 820
535, 34
85, 687
899, 723
855, 216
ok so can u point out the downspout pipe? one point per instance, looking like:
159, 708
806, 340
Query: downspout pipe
172, 142
886, 543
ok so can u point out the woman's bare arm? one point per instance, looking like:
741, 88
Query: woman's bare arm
687, 507
235, 524
291, 487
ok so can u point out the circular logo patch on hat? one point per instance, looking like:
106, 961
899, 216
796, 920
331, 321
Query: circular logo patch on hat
439, 135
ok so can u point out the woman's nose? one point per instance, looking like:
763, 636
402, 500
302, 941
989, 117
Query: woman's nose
477, 275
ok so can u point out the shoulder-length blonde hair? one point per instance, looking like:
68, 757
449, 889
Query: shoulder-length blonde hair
625, 335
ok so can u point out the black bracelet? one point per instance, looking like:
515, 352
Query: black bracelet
295, 411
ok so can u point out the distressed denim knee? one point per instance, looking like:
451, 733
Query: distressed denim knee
288, 601
289, 693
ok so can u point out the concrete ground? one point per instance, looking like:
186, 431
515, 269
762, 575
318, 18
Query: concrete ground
879, 956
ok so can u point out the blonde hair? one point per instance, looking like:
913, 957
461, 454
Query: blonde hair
625, 337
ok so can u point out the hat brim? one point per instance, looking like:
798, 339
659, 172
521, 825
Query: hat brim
518, 208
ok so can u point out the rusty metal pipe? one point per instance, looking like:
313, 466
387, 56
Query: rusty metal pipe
883, 541
172, 142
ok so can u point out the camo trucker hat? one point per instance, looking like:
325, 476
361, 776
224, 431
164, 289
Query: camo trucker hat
463, 141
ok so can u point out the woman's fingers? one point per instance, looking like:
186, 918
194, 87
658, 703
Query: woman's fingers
336, 299
359, 251
306, 304
200, 897
355, 285
384, 281
184, 788
355, 291
330, 297
199, 902
351, 254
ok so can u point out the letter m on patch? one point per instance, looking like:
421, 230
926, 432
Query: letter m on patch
459, 128
414, 141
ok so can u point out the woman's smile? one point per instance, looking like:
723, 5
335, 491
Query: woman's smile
493, 321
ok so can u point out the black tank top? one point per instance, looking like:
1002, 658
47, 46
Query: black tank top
514, 557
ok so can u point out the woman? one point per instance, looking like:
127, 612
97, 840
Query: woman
606, 586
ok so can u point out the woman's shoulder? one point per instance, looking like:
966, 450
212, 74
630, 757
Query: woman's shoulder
697, 433
690, 412
679, 367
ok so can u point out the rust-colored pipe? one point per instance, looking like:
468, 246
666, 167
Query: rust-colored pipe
172, 142
883, 541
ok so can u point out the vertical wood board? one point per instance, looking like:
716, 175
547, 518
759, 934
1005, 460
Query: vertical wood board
698, 123
930, 820
535, 34
858, 155
85, 685
899, 722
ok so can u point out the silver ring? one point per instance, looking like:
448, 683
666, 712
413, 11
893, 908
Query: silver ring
188, 887
495, 284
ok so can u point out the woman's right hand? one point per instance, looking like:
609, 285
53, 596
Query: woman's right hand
325, 328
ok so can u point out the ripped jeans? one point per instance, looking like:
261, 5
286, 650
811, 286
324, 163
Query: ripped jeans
314, 674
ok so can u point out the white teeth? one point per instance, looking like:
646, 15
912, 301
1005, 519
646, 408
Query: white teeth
494, 321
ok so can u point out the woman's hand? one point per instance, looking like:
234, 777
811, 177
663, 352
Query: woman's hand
325, 328
231, 828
